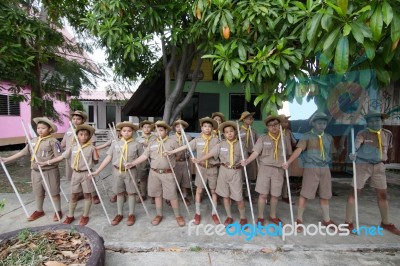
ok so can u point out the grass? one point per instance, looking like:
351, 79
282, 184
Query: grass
195, 249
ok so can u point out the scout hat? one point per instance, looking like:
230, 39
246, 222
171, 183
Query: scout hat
209, 120
144, 122
47, 121
246, 114
182, 122
81, 114
227, 124
375, 114
120, 125
272, 117
218, 114
161, 123
319, 116
283, 117
85, 127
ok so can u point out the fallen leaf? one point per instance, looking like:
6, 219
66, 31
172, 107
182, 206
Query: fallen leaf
54, 263
267, 250
76, 242
69, 254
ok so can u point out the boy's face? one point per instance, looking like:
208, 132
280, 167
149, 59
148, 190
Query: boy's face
43, 130
77, 120
146, 128
83, 136
230, 133
273, 127
206, 128
248, 120
285, 123
319, 125
162, 132
218, 119
374, 123
178, 128
126, 132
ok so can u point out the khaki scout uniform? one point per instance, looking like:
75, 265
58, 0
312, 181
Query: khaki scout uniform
181, 168
66, 142
270, 173
209, 169
49, 148
80, 181
316, 168
369, 163
230, 178
144, 167
248, 148
161, 179
122, 180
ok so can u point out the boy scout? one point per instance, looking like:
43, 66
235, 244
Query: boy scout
373, 148
270, 174
316, 148
209, 169
181, 167
80, 181
120, 152
162, 182
230, 180
220, 118
45, 148
77, 118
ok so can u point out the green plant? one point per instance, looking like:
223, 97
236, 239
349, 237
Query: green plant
195, 249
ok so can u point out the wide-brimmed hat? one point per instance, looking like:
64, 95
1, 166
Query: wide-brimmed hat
182, 122
81, 114
120, 125
246, 114
283, 116
146, 122
161, 123
227, 124
209, 120
218, 114
273, 117
85, 127
375, 114
320, 116
46, 121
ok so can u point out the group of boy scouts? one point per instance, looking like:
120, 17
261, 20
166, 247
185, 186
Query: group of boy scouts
157, 164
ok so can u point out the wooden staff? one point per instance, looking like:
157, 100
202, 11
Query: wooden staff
89, 171
40, 170
245, 173
353, 150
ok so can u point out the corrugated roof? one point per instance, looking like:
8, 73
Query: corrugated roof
103, 96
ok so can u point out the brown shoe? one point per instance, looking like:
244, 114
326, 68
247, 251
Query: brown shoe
276, 220
35, 215
157, 220
243, 221
113, 199
215, 219
180, 221
117, 219
84, 220
391, 228
228, 221
261, 221
299, 229
131, 220
69, 220
287, 200
55, 218
350, 226
197, 219
95, 199
328, 223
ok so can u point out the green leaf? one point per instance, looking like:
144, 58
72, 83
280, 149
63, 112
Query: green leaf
336, 8
357, 33
341, 61
326, 21
259, 98
387, 13
395, 28
369, 49
247, 91
343, 4
376, 23
332, 38
315, 22
346, 29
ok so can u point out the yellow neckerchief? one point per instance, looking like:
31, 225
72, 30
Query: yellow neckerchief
160, 148
231, 149
207, 142
78, 155
321, 144
247, 135
147, 138
276, 144
37, 146
124, 152
179, 137
378, 133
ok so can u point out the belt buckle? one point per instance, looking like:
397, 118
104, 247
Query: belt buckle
160, 171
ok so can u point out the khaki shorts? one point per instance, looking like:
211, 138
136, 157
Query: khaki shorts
230, 182
123, 181
82, 183
210, 176
270, 180
182, 174
314, 178
251, 170
374, 172
52, 178
162, 185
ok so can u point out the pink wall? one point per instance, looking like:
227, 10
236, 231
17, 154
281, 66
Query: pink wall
11, 125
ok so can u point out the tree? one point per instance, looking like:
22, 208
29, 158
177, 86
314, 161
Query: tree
34, 53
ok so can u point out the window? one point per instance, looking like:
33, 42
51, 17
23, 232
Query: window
91, 114
8, 106
238, 105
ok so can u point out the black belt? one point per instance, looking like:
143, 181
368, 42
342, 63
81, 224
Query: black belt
82, 171
43, 170
231, 167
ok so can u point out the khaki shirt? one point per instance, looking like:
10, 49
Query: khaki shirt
115, 151
144, 142
221, 151
181, 155
89, 152
265, 147
367, 146
69, 138
49, 148
159, 161
198, 143
311, 155
248, 147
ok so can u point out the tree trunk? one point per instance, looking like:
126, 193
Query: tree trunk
37, 110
